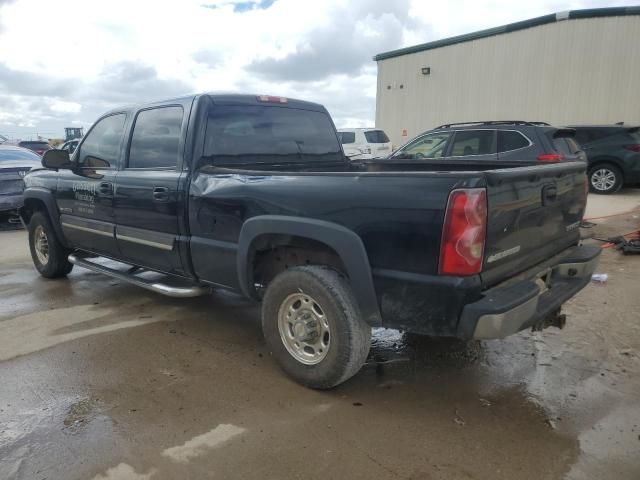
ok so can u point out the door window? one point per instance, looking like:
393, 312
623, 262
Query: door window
156, 138
101, 147
473, 142
347, 137
431, 145
511, 140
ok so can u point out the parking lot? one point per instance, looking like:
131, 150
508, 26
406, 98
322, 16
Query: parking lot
104, 380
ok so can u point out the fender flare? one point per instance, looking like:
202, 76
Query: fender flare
346, 243
46, 197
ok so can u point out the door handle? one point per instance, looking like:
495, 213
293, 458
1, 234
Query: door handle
161, 194
549, 194
105, 188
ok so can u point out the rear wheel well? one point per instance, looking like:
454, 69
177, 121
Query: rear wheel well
271, 254
599, 162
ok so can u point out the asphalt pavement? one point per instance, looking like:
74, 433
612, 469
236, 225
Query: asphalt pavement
102, 380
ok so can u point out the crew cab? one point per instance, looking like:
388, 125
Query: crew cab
254, 194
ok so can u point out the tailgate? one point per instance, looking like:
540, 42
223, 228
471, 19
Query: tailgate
533, 213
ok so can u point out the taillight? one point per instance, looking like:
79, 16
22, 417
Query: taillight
550, 157
271, 99
464, 232
634, 147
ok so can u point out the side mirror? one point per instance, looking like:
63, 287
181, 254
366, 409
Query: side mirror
56, 159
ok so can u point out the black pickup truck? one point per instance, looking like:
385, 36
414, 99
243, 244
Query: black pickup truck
255, 195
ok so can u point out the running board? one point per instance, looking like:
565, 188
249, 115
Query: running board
130, 277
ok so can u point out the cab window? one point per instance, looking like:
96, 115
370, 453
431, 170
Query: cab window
431, 145
101, 147
473, 142
156, 138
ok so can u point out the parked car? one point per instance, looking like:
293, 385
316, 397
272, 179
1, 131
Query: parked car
15, 162
613, 154
494, 142
364, 143
256, 196
35, 146
70, 146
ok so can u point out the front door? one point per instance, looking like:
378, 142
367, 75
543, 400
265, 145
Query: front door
149, 203
85, 196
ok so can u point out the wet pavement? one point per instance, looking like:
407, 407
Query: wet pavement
101, 380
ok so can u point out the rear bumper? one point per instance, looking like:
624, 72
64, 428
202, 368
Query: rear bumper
11, 202
514, 306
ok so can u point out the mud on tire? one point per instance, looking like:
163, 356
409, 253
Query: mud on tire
313, 327
49, 256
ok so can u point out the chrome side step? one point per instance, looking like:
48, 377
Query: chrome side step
130, 277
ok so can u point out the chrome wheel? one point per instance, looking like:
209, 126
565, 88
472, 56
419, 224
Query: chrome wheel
41, 244
603, 179
304, 328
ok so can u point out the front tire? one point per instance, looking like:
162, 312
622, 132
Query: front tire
312, 326
49, 256
605, 179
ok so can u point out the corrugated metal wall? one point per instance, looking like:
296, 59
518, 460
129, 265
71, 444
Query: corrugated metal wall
572, 71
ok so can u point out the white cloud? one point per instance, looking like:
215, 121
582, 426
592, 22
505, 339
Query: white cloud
65, 107
67, 61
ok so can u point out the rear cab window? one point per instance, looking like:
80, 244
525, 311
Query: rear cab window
249, 135
376, 136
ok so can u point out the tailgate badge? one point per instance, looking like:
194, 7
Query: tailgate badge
503, 254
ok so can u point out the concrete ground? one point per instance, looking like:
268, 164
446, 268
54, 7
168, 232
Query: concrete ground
101, 380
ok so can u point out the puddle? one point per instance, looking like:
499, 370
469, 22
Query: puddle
36, 331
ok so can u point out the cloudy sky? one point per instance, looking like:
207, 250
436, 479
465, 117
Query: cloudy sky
64, 62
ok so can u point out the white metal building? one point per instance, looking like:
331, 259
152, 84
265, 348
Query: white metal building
576, 67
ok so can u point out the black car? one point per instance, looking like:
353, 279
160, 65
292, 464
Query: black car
613, 153
15, 162
35, 146
494, 142
255, 195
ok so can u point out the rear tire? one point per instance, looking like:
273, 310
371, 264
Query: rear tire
49, 256
313, 327
605, 179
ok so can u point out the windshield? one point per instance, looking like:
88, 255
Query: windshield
15, 154
267, 134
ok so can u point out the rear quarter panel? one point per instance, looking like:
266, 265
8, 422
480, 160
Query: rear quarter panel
398, 217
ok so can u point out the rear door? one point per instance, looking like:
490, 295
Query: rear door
378, 142
533, 213
476, 145
85, 195
149, 201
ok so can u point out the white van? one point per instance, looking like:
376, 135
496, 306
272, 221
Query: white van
364, 143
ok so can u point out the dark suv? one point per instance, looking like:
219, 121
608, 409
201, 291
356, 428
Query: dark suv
613, 153
494, 141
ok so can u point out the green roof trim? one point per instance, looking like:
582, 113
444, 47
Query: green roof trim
513, 27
